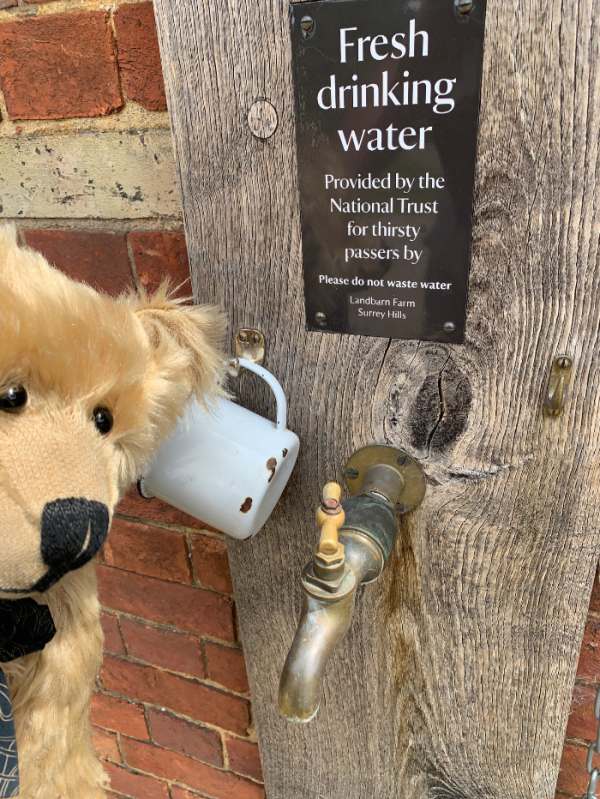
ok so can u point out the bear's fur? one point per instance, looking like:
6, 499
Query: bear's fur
75, 350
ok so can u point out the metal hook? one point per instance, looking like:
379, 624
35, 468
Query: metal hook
558, 384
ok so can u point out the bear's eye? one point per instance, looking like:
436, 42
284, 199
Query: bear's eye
103, 419
13, 399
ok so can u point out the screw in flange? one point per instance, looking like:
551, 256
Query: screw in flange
321, 319
464, 7
307, 24
449, 327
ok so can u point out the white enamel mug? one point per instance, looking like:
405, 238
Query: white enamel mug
226, 466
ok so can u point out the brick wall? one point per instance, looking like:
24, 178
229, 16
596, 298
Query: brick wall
582, 727
88, 174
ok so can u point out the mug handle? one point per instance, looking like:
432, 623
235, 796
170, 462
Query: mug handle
274, 385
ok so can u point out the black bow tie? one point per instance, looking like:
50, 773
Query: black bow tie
25, 627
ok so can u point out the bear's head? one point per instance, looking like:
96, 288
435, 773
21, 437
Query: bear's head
89, 386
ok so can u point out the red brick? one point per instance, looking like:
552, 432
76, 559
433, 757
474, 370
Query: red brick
246, 791
106, 745
589, 658
180, 694
112, 634
147, 550
135, 786
159, 255
211, 564
190, 609
226, 666
172, 766
182, 736
59, 66
595, 597
139, 56
582, 723
169, 650
244, 758
573, 777
133, 504
91, 256
119, 716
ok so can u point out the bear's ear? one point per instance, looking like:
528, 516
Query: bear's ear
186, 340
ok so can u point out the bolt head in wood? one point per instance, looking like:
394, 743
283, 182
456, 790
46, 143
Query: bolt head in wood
263, 119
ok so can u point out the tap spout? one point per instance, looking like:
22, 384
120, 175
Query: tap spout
323, 624
326, 618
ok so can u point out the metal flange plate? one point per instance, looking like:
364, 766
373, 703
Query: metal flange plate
410, 470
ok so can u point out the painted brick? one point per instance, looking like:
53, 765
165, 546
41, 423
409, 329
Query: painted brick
90, 175
153, 551
582, 723
159, 255
180, 694
59, 66
182, 736
226, 666
139, 56
106, 745
112, 634
133, 504
244, 758
190, 609
169, 650
589, 658
573, 776
211, 564
173, 766
94, 257
135, 786
114, 714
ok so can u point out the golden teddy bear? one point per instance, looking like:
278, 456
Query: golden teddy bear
89, 386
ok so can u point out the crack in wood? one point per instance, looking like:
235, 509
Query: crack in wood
442, 412
484, 474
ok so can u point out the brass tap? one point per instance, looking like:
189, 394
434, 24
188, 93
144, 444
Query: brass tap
355, 543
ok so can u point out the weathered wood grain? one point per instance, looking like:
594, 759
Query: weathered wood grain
455, 680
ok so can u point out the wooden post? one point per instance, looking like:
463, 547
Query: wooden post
456, 677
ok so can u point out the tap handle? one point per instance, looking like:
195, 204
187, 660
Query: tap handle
330, 517
331, 495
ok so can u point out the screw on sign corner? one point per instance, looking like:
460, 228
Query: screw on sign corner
321, 319
463, 7
307, 25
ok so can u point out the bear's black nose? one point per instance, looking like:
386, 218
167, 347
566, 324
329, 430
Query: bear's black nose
73, 530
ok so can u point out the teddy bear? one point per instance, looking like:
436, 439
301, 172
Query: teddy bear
89, 387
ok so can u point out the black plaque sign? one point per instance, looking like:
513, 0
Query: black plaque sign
387, 103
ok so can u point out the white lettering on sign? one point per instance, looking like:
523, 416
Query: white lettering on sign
389, 90
381, 47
